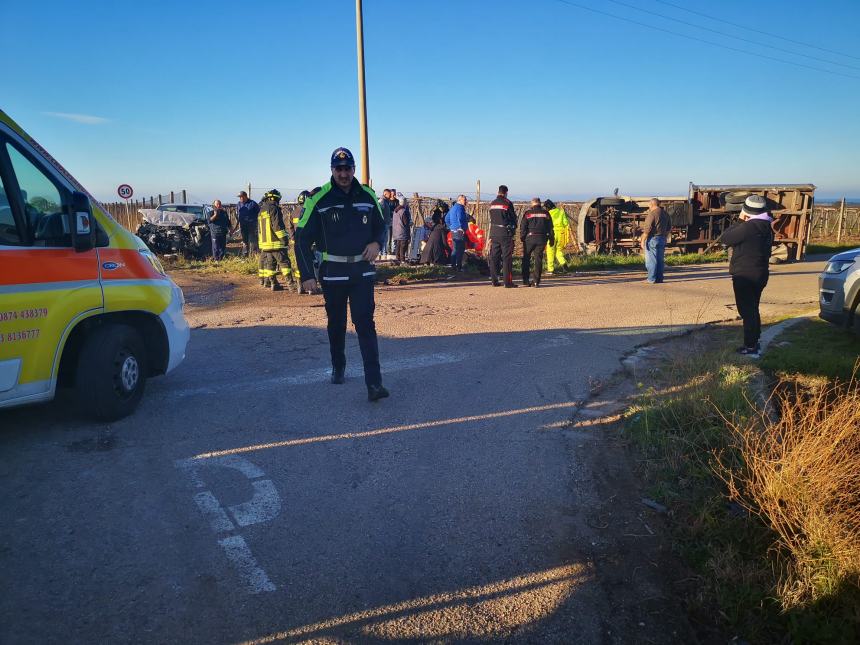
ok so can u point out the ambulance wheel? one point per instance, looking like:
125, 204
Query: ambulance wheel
111, 373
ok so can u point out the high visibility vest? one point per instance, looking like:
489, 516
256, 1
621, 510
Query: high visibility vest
269, 237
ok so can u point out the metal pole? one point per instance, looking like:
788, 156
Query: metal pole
362, 99
841, 221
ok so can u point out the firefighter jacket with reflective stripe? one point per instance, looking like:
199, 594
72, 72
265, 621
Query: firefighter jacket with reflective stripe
271, 232
339, 223
537, 221
559, 219
503, 218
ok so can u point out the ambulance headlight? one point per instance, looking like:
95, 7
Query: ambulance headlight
153, 260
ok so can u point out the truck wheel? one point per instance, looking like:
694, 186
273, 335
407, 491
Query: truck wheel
111, 372
611, 201
732, 207
737, 198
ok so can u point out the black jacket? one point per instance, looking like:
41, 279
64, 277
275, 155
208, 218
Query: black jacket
338, 223
537, 221
751, 243
503, 218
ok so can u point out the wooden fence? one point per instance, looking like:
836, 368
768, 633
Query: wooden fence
831, 222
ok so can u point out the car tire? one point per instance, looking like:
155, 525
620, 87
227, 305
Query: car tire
612, 201
111, 373
736, 198
733, 207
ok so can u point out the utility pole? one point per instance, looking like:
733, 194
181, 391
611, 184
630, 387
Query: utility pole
362, 99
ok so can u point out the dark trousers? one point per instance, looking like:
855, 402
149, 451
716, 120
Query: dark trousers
219, 244
274, 262
249, 237
359, 294
747, 297
401, 246
502, 257
533, 245
457, 252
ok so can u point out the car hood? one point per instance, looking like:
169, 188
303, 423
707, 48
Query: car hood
168, 218
846, 255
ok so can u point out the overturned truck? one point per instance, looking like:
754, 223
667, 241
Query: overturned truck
614, 224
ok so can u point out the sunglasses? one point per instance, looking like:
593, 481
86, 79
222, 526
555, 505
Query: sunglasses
343, 168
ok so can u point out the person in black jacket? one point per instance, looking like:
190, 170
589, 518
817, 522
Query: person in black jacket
219, 225
503, 225
751, 241
345, 222
535, 231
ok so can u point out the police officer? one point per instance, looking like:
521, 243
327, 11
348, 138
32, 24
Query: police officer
535, 232
273, 240
346, 224
503, 225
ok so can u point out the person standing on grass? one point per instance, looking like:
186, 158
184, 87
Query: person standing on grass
247, 211
561, 233
401, 223
457, 221
655, 230
219, 224
536, 231
751, 241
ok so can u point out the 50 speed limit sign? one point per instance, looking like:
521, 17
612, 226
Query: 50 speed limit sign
125, 191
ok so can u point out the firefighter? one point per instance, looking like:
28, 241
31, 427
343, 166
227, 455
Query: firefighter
274, 240
561, 232
535, 231
503, 225
345, 222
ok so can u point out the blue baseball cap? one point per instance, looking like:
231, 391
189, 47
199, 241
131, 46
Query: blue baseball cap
342, 157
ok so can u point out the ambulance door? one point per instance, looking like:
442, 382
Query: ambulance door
46, 286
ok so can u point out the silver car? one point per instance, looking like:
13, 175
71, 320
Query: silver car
839, 289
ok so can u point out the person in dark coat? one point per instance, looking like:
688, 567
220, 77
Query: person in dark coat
751, 241
401, 229
436, 251
219, 225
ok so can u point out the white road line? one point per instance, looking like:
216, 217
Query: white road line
211, 509
264, 506
240, 555
322, 374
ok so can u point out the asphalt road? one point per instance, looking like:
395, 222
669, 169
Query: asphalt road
249, 500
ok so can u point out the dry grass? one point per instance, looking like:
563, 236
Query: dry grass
800, 473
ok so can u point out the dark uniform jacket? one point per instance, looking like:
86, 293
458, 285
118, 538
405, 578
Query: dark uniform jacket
271, 232
537, 221
340, 224
503, 218
751, 243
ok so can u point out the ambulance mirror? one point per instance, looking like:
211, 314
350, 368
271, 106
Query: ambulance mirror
81, 222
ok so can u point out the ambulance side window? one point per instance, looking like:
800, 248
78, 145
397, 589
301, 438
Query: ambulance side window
43, 202
8, 229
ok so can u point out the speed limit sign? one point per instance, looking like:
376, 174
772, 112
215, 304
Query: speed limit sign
125, 191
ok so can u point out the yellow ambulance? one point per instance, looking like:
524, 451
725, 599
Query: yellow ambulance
83, 302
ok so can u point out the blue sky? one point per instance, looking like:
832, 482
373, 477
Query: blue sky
545, 96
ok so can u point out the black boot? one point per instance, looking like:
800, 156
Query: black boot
276, 286
376, 392
337, 375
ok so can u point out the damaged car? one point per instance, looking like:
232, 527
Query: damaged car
180, 229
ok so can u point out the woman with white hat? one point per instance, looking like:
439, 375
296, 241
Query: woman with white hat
751, 240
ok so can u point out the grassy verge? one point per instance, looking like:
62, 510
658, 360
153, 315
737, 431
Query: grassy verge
746, 513
230, 264
831, 248
248, 266
813, 348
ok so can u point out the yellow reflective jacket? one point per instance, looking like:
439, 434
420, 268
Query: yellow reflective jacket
559, 218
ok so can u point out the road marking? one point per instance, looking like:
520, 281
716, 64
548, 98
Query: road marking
321, 375
240, 555
263, 506
221, 454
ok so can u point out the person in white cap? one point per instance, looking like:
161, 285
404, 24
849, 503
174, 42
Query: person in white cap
751, 240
